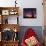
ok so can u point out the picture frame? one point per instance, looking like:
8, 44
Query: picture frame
29, 13
5, 12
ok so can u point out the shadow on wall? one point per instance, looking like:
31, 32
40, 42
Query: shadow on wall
37, 29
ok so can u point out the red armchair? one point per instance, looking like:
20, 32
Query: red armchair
30, 34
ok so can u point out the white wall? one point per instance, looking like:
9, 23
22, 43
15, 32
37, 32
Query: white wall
32, 4
7, 3
27, 4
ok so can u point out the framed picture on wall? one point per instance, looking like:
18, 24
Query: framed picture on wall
5, 12
29, 13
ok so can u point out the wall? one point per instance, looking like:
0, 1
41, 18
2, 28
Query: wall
27, 4
7, 3
32, 4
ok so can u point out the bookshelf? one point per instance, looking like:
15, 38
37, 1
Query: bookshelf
9, 23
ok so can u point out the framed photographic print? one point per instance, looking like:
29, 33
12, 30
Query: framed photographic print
5, 12
29, 12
